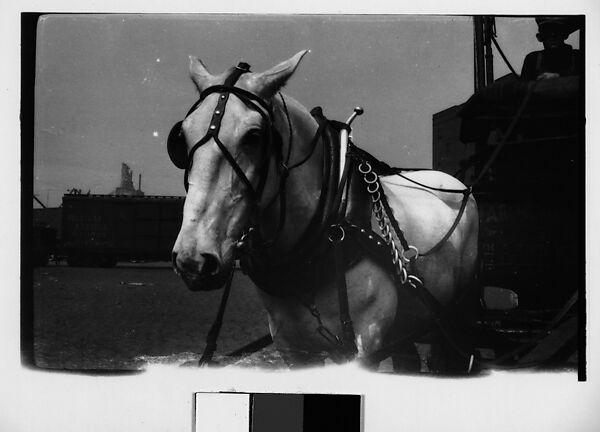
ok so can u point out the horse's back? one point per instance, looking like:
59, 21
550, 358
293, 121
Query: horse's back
426, 215
425, 181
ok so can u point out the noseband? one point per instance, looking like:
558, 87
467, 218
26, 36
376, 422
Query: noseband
183, 159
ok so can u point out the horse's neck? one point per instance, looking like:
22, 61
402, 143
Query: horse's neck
303, 185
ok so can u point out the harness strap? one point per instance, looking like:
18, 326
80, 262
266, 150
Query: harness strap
255, 103
439, 314
440, 243
314, 232
283, 177
349, 338
393, 220
431, 187
226, 88
339, 202
213, 333
215, 126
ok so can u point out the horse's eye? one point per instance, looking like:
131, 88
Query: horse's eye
253, 138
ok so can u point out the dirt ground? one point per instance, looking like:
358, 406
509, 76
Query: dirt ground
124, 317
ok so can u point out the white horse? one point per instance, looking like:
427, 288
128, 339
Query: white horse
259, 170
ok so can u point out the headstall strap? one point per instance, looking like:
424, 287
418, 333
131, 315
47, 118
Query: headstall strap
248, 99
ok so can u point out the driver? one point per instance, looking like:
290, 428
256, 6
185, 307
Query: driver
557, 59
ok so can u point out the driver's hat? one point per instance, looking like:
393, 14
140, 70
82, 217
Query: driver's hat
564, 24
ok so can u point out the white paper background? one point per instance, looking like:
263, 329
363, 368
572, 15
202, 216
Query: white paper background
162, 398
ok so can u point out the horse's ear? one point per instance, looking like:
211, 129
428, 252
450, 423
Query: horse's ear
267, 83
199, 73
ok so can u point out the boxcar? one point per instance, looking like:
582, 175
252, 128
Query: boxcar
104, 229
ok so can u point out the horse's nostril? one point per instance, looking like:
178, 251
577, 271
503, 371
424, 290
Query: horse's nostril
211, 265
204, 265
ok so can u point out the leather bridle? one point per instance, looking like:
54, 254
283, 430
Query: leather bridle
252, 101
271, 147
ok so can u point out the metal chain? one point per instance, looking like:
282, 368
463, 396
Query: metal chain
322, 328
399, 258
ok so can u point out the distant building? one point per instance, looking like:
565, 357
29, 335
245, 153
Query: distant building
126, 187
48, 217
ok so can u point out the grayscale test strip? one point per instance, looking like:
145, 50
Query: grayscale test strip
274, 412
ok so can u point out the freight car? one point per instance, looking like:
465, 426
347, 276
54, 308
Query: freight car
104, 229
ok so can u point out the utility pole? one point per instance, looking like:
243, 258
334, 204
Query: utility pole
478, 53
483, 31
489, 31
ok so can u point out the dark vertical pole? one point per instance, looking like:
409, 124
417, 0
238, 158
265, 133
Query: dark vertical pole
488, 24
580, 205
28, 50
479, 58
479, 70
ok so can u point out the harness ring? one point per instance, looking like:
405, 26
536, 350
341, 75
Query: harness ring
376, 188
404, 276
374, 180
396, 256
385, 231
362, 170
342, 236
412, 250
377, 209
414, 280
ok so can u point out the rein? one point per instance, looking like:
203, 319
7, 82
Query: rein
248, 242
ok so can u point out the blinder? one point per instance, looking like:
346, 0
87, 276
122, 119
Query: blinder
177, 147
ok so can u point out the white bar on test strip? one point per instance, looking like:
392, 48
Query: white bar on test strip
222, 412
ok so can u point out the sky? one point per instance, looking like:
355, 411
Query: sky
109, 87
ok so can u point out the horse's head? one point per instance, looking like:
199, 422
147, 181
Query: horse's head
226, 147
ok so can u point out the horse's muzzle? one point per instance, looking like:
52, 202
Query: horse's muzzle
202, 273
